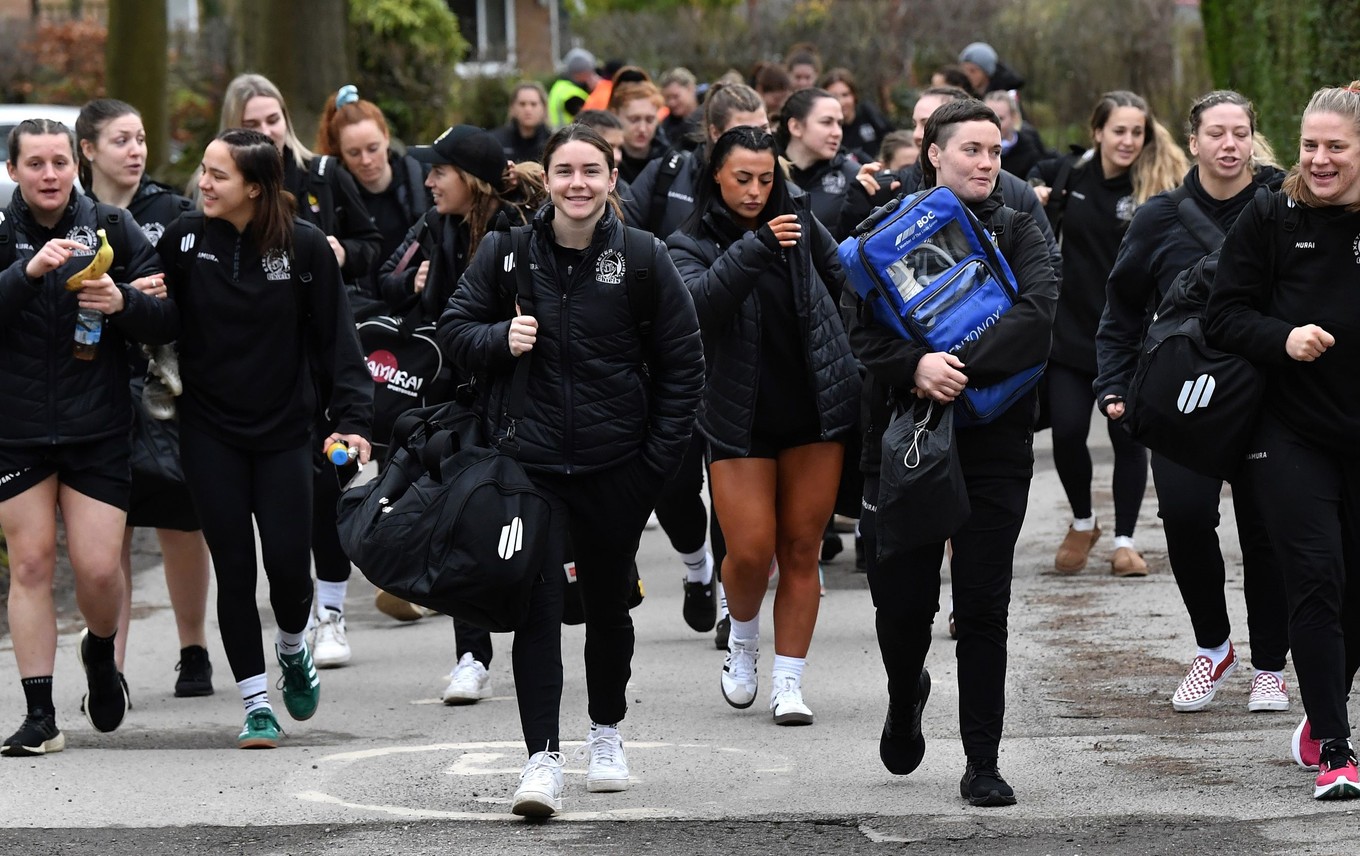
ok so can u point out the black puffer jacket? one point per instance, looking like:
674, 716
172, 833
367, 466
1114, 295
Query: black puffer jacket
827, 183
598, 396
55, 398
721, 275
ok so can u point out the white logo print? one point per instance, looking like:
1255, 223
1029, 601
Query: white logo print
186, 243
1195, 394
153, 232
512, 539
1355, 248
276, 266
84, 235
509, 263
609, 267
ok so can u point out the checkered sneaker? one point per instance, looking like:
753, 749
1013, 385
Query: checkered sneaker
1202, 681
1268, 692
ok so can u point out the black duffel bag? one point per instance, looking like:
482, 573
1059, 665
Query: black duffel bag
922, 495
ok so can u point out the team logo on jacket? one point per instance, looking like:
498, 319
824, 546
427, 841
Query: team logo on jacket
1355, 248
609, 267
153, 232
83, 235
1124, 208
276, 266
833, 182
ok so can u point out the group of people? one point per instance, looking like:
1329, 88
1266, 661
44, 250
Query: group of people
751, 367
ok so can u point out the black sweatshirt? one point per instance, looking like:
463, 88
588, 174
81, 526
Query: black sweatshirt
1157, 247
1270, 280
262, 336
1098, 213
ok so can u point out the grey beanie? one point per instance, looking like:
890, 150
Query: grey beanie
578, 60
980, 54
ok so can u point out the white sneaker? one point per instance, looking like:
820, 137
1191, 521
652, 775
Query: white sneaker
786, 703
608, 768
330, 646
540, 786
739, 672
468, 682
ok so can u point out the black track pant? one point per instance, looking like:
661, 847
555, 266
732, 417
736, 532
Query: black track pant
1069, 403
1188, 506
1311, 503
906, 594
235, 490
332, 565
471, 639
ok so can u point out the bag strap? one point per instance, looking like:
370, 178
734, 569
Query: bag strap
666, 172
1057, 195
6, 241
637, 266
1200, 225
518, 263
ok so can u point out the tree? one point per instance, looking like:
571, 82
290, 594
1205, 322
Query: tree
136, 66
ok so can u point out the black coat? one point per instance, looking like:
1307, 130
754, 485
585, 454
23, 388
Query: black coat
598, 396
330, 199
54, 398
827, 184
720, 276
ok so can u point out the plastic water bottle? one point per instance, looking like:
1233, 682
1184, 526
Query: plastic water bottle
341, 453
89, 328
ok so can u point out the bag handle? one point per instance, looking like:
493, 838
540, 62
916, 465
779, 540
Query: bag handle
519, 381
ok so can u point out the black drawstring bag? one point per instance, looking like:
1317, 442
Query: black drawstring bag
922, 498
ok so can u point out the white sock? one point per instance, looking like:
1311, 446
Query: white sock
1124, 541
255, 693
788, 667
332, 595
747, 631
722, 602
1084, 524
605, 730
698, 565
289, 643
1215, 655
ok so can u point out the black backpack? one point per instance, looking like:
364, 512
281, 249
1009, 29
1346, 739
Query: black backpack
1190, 402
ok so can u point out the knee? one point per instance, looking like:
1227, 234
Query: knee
104, 578
33, 570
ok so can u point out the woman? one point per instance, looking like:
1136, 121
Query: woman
328, 198
637, 105
524, 136
1232, 163
267, 338
113, 170
809, 135
466, 166
66, 450
1284, 297
864, 126
781, 398
1133, 159
961, 150
607, 420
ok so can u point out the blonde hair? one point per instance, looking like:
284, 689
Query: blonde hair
1161, 165
1344, 101
248, 86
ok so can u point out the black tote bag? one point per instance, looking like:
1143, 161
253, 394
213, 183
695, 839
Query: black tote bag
922, 497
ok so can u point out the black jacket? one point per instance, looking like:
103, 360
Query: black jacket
54, 398
1156, 248
598, 395
1026, 152
641, 209
328, 197
1272, 279
827, 183
518, 148
630, 167
720, 276
864, 132
267, 339
154, 206
1020, 339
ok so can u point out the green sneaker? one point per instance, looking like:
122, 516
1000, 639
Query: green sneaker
300, 685
261, 730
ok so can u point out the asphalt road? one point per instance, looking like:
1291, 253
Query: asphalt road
1100, 762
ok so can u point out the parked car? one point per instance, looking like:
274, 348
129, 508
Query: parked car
13, 114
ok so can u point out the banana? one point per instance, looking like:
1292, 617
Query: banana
98, 266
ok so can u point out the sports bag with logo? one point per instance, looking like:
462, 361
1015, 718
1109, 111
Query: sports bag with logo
453, 523
407, 367
929, 271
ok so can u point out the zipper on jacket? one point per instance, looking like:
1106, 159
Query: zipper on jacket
236, 260
53, 354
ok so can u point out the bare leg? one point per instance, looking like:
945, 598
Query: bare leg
94, 537
29, 521
808, 479
744, 498
188, 570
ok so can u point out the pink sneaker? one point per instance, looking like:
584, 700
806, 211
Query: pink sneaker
1337, 777
1268, 692
1202, 681
1307, 751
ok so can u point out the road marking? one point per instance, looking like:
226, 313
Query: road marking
383, 751
435, 814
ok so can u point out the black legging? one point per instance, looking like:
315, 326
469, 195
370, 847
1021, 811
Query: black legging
1188, 506
332, 565
230, 485
680, 508
1070, 399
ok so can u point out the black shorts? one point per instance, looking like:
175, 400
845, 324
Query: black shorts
99, 469
768, 445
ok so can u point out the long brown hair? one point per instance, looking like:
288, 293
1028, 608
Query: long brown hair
1161, 165
1344, 101
260, 162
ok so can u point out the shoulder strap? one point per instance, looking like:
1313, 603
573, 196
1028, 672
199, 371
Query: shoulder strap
637, 267
1057, 196
1195, 221
666, 172
517, 262
6, 241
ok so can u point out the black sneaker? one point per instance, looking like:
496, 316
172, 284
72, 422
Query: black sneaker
701, 606
902, 745
831, 546
724, 630
38, 735
195, 672
106, 703
982, 784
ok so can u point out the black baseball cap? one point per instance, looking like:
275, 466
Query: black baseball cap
469, 148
